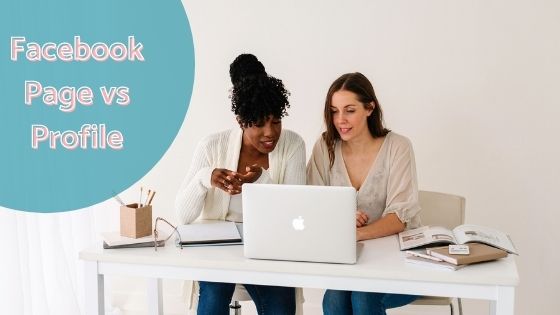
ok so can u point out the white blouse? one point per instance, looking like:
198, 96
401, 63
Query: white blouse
235, 212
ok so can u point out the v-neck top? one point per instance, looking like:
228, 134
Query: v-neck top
339, 159
390, 185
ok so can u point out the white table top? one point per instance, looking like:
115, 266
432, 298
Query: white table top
378, 259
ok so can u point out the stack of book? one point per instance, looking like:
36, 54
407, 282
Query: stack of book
480, 244
441, 258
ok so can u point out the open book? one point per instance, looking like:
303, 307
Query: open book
466, 233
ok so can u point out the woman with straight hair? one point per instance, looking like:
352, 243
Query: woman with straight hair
357, 150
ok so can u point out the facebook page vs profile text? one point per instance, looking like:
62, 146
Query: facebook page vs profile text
66, 98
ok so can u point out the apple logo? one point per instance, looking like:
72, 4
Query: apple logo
297, 223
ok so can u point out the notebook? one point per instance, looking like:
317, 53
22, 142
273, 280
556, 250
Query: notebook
115, 240
299, 223
209, 232
478, 253
431, 263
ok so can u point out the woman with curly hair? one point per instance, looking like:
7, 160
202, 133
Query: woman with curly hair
357, 150
259, 151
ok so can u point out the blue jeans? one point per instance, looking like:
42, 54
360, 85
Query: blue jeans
215, 298
361, 303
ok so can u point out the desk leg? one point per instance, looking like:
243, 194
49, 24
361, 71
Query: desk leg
94, 290
504, 303
155, 304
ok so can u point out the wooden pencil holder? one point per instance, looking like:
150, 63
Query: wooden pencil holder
136, 221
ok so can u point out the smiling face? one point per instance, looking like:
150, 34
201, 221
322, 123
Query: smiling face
349, 115
263, 136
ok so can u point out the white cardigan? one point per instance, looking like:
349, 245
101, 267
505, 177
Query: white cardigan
197, 196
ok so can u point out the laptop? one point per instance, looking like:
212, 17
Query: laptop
299, 223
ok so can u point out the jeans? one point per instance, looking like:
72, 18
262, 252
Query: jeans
215, 298
361, 303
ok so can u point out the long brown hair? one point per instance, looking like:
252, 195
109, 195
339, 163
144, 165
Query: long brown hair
358, 84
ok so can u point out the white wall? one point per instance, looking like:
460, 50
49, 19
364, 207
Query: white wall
471, 83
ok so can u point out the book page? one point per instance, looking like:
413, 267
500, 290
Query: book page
475, 233
425, 235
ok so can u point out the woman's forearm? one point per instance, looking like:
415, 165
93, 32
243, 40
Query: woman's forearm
387, 225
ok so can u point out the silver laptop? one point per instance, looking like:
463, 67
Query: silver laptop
299, 223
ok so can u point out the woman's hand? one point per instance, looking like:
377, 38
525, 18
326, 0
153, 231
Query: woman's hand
388, 225
226, 180
231, 182
361, 218
253, 172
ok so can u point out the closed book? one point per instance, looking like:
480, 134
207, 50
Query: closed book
115, 240
431, 263
477, 253
134, 245
209, 232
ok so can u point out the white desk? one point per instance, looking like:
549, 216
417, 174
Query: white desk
380, 268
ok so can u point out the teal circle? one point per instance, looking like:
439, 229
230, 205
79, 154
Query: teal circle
160, 88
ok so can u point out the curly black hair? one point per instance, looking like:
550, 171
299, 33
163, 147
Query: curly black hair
255, 95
